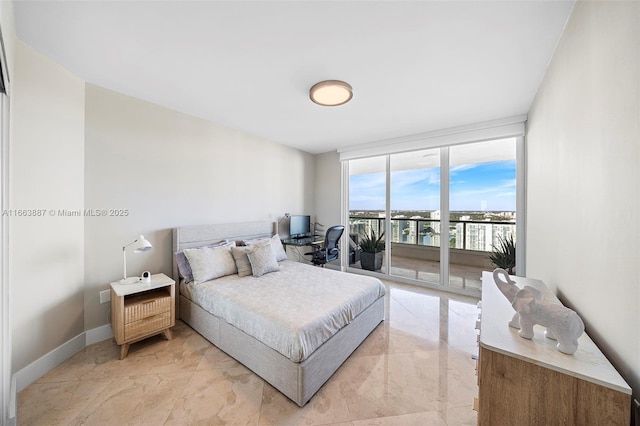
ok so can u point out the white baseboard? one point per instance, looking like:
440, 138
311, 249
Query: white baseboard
13, 402
98, 334
48, 362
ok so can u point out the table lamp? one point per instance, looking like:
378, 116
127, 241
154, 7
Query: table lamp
140, 245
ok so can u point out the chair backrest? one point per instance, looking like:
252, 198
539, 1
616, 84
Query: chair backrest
332, 237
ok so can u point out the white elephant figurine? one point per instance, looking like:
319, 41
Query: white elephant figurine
565, 324
509, 288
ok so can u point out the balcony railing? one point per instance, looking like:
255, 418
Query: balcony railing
478, 235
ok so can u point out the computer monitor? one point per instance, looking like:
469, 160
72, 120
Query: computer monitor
299, 226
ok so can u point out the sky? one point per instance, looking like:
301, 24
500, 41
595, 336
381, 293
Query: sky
473, 187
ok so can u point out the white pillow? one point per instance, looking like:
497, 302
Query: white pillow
262, 260
278, 249
276, 246
208, 263
183, 263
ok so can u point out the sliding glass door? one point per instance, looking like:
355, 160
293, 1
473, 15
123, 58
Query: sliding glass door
415, 214
442, 210
482, 206
367, 213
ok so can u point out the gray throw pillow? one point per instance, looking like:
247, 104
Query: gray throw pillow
241, 259
262, 260
276, 246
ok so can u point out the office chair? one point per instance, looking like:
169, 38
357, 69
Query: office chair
330, 251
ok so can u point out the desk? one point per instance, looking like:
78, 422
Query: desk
297, 243
301, 242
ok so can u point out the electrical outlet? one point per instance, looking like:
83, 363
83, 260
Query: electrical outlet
105, 296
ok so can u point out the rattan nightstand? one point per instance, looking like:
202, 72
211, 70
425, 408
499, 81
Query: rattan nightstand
142, 310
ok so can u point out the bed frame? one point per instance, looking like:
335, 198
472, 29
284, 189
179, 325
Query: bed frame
299, 381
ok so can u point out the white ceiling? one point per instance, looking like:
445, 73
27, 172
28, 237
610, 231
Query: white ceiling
414, 66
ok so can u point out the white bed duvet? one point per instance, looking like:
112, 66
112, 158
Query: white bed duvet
294, 310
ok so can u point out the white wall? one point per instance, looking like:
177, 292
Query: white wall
583, 215
328, 186
46, 172
169, 169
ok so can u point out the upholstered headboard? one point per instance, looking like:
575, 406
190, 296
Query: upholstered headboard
200, 235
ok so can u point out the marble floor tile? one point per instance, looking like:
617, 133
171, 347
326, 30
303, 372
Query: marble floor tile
214, 358
427, 418
212, 397
57, 403
326, 407
459, 416
396, 384
415, 368
137, 400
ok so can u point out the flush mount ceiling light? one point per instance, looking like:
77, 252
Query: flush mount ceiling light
331, 93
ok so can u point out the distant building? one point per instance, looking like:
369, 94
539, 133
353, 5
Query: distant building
466, 231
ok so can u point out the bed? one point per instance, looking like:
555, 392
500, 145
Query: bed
296, 355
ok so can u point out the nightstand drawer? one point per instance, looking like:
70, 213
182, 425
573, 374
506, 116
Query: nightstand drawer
146, 305
146, 326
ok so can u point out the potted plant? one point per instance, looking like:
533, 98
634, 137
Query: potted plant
372, 248
427, 234
504, 255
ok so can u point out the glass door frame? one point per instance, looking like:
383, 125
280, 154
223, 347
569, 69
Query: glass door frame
511, 130
444, 217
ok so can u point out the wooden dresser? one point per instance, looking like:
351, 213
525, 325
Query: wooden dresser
529, 382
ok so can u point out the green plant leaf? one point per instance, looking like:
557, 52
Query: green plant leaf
504, 255
372, 243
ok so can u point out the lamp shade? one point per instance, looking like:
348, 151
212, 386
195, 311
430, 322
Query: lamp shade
141, 244
331, 93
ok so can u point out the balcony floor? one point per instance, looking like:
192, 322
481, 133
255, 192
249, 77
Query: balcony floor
460, 276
